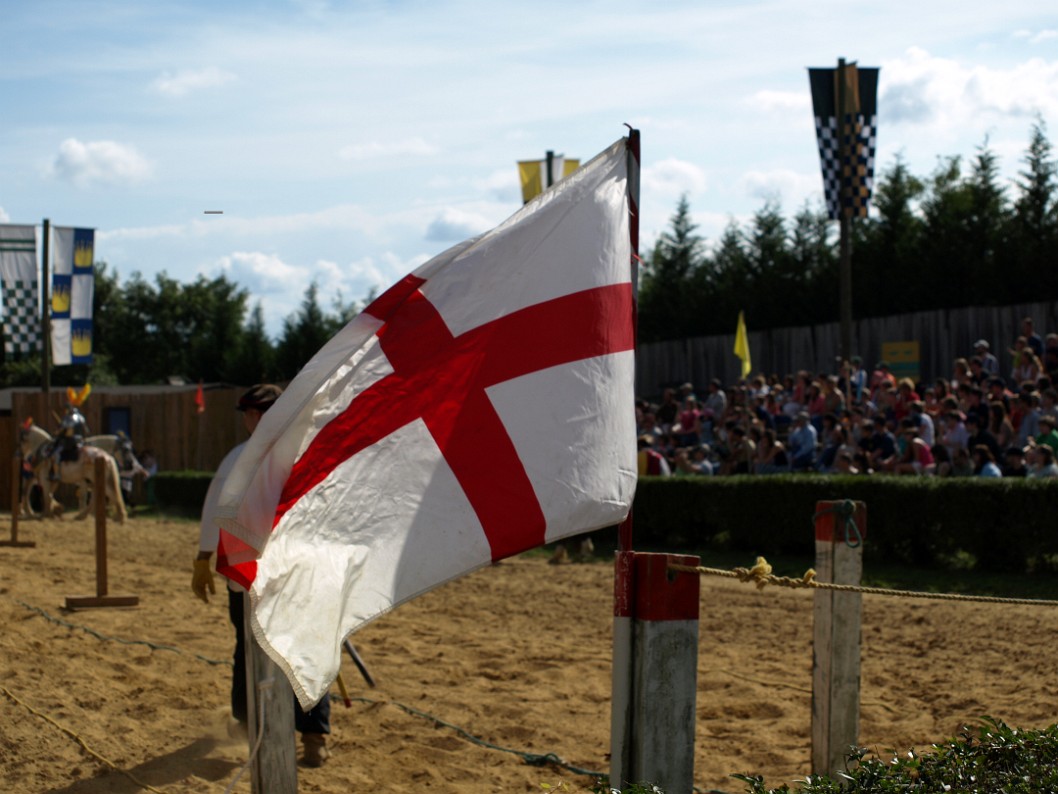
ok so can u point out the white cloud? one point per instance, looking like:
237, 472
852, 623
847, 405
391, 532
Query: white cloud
372, 149
672, 177
1036, 37
99, 163
782, 101
4, 217
946, 95
177, 84
452, 225
280, 286
787, 187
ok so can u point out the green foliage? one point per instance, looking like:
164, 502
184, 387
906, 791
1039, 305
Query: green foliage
992, 758
930, 243
147, 332
181, 492
985, 525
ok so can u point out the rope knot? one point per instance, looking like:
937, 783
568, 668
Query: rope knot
760, 573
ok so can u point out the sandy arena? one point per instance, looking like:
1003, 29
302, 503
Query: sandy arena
517, 654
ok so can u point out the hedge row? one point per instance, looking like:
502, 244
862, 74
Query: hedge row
1003, 524
181, 492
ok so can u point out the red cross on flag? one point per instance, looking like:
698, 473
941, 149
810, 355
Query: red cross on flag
480, 407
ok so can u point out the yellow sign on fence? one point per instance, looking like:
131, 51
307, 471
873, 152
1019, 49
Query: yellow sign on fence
903, 359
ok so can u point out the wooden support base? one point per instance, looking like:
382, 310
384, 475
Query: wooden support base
88, 602
21, 544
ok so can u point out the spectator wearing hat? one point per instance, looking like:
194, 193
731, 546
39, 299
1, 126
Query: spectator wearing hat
989, 363
315, 724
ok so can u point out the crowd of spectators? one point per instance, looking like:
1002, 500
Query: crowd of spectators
981, 421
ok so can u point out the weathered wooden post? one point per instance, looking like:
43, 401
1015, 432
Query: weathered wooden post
274, 766
16, 505
655, 671
840, 530
102, 598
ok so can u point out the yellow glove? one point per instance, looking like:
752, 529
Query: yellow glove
202, 580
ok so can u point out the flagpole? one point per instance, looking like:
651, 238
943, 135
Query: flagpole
45, 325
624, 532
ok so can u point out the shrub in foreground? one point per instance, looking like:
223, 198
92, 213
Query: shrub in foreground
993, 758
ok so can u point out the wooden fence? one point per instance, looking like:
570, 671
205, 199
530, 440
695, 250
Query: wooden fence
164, 420
943, 336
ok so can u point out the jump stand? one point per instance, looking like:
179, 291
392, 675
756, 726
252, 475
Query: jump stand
102, 598
654, 671
16, 507
837, 616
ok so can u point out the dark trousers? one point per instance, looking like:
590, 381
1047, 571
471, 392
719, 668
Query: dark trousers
317, 720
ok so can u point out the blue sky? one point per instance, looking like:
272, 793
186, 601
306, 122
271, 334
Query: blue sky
348, 142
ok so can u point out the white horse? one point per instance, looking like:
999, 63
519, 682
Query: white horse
80, 472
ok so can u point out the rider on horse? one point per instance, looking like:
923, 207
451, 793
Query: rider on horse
73, 430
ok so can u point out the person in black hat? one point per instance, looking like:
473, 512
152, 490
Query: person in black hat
315, 724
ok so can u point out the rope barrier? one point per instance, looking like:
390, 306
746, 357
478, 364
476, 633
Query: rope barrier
79, 739
105, 638
761, 575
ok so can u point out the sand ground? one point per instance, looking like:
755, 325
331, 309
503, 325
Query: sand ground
517, 654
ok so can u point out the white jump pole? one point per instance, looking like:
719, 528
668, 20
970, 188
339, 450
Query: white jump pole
840, 530
655, 667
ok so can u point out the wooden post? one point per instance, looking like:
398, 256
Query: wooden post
269, 703
102, 598
836, 641
45, 309
655, 671
16, 505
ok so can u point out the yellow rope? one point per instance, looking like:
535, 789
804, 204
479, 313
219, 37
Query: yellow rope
76, 737
761, 575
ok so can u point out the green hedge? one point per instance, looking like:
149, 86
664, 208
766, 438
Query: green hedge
181, 492
1002, 524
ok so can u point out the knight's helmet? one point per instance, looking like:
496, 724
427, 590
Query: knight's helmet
73, 423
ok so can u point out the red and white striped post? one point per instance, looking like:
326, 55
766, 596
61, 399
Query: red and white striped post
655, 668
840, 530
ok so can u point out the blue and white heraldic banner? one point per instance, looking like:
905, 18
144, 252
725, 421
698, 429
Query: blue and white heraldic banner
71, 296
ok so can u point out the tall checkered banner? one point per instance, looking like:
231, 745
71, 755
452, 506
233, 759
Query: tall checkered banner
848, 177
18, 274
481, 406
72, 290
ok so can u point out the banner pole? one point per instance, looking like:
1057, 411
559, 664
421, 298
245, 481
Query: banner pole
624, 532
45, 325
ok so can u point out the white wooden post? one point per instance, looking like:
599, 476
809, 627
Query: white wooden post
836, 642
655, 672
274, 769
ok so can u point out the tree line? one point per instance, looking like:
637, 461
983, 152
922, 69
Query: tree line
954, 238
147, 332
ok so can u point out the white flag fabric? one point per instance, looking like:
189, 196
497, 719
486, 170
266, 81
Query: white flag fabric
480, 407
18, 273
